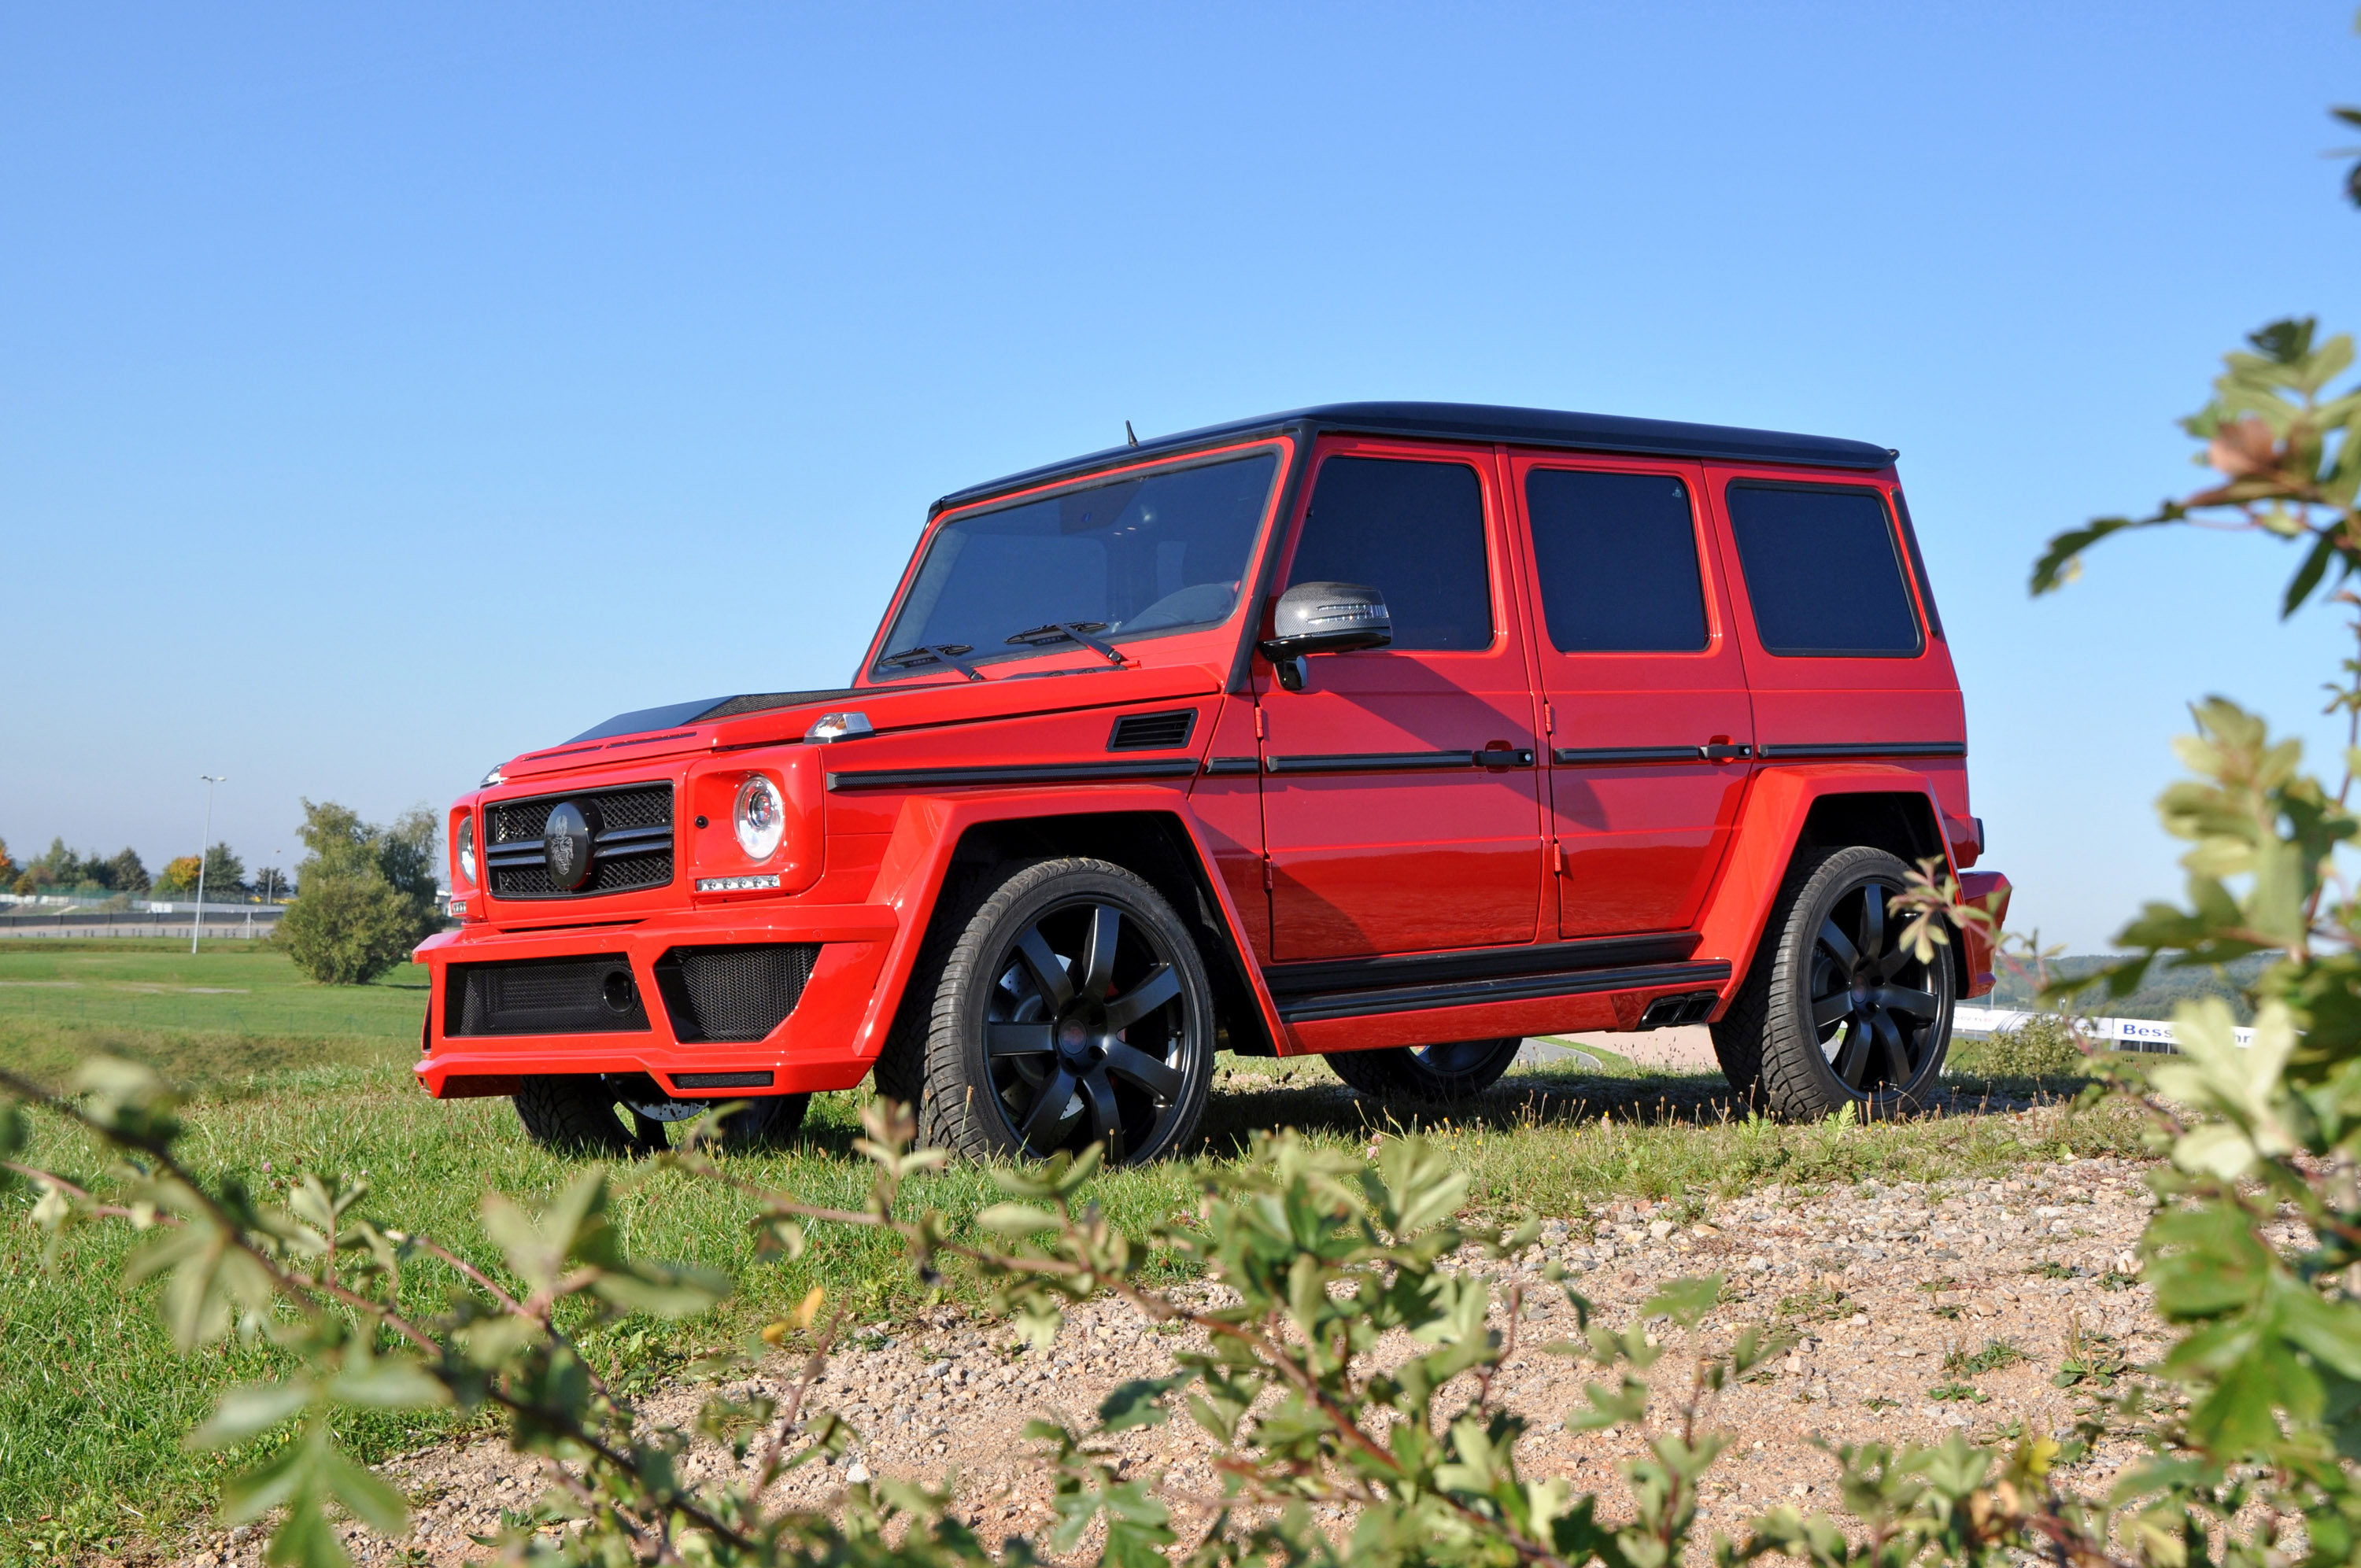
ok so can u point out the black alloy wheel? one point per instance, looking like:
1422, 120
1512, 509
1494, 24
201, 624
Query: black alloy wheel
1074, 1010
1427, 1075
1852, 1014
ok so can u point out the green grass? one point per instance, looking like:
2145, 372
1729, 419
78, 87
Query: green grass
287, 1077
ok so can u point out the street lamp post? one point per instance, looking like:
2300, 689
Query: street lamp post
197, 929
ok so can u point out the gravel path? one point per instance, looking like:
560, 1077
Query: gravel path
1884, 1283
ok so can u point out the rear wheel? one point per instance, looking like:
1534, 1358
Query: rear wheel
1427, 1075
1072, 1009
1851, 1015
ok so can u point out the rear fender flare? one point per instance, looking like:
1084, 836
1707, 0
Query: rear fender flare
916, 866
1771, 827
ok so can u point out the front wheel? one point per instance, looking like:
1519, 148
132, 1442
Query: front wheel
1072, 1009
1427, 1075
1851, 1015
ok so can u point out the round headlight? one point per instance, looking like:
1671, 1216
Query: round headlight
468, 847
761, 817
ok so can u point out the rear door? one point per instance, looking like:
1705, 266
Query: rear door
1649, 729
1400, 805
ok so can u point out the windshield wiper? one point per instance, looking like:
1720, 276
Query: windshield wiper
952, 654
1071, 631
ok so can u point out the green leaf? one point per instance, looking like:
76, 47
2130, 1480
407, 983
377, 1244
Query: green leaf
372, 1502
1139, 1402
662, 1290
1017, 1219
1686, 1302
247, 1411
386, 1383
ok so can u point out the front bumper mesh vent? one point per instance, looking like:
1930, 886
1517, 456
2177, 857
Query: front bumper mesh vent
633, 847
593, 996
740, 992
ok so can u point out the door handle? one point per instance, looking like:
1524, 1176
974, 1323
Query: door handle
1503, 757
1725, 753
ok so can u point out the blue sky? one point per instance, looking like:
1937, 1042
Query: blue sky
384, 391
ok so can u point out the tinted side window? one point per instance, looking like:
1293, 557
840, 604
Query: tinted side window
1616, 556
1822, 571
1412, 531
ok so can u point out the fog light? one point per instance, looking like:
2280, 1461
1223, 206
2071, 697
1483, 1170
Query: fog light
735, 883
459, 908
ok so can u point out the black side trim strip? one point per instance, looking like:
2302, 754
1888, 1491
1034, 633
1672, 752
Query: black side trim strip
1576, 754
1371, 762
1477, 963
1219, 766
1426, 998
1871, 749
1030, 773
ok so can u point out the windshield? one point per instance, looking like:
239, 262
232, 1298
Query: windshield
1154, 552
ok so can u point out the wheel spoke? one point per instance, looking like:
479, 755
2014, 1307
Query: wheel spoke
1897, 1055
1106, 1121
1160, 987
1855, 1053
1150, 1073
1098, 953
1902, 999
1048, 1112
1048, 973
1839, 945
1830, 1008
1018, 1039
1872, 920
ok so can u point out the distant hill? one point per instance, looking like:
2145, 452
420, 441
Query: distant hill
2155, 999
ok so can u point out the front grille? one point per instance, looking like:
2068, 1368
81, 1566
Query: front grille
633, 847
543, 996
1152, 732
734, 992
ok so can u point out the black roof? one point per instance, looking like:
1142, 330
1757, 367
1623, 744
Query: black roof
1486, 422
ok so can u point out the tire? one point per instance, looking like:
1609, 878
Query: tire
765, 1123
574, 1113
1023, 1060
1427, 1075
1849, 1016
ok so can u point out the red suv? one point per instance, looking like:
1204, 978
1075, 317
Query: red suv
1391, 732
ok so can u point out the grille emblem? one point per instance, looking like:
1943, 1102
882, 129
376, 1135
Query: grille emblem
565, 846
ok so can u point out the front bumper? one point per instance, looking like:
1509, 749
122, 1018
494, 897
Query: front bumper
816, 1047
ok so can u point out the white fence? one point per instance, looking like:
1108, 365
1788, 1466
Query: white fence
2121, 1033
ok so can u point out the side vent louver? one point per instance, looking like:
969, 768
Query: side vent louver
1152, 732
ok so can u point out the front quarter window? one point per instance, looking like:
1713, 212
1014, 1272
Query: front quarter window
1153, 553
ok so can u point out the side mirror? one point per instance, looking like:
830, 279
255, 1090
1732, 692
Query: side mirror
1324, 618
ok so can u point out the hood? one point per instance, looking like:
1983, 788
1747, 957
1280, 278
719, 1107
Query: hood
770, 718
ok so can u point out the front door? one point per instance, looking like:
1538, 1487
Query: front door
1651, 728
1400, 803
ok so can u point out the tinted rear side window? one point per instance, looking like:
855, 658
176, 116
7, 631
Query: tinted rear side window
1822, 571
1412, 531
1616, 556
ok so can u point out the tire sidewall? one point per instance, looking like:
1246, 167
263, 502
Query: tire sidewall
991, 939
1841, 874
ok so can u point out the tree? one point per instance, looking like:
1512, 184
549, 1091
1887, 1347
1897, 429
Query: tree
179, 877
365, 893
224, 873
7, 866
126, 873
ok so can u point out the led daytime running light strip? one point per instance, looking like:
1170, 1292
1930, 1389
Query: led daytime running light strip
735, 883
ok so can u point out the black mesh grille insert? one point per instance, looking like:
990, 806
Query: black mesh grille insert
592, 995
734, 992
1152, 732
625, 856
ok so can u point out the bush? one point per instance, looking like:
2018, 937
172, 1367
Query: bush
2040, 1048
347, 929
365, 895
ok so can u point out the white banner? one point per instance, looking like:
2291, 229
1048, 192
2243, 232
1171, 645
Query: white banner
2124, 1034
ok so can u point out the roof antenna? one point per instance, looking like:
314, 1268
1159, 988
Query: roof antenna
1128, 434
